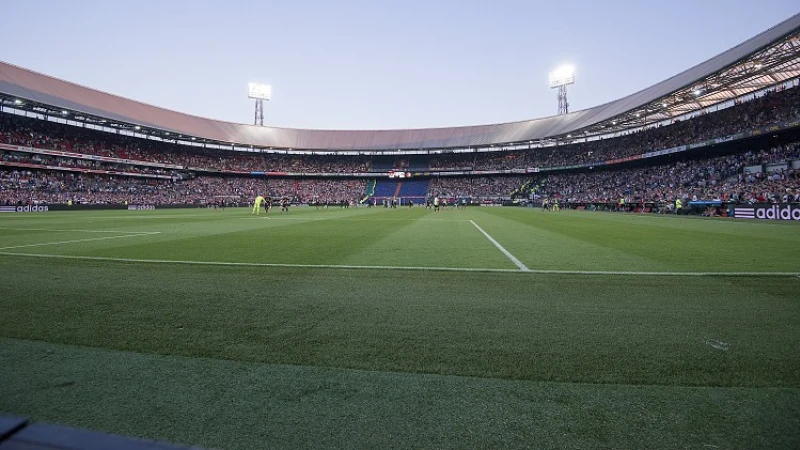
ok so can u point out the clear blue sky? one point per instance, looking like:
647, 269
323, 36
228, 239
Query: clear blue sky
371, 64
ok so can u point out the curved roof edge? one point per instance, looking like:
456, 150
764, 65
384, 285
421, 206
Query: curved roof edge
32, 86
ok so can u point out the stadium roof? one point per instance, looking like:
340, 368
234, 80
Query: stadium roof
767, 59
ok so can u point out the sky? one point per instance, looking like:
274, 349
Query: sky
372, 64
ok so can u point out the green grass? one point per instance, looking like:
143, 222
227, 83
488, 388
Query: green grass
471, 354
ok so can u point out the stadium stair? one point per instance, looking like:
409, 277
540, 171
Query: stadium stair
536, 188
397, 191
369, 191
522, 190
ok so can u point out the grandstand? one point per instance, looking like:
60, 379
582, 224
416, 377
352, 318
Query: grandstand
40, 147
721, 138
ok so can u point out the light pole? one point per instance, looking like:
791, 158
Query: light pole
259, 92
561, 78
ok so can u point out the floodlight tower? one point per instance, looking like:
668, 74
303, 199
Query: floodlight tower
259, 92
561, 78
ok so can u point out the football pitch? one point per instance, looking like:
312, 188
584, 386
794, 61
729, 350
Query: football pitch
376, 328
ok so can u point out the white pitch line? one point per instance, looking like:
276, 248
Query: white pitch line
434, 269
508, 254
245, 264
73, 241
286, 218
133, 215
77, 231
344, 219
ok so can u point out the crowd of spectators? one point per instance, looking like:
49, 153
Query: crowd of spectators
39, 186
477, 188
35, 186
317, 164
77, 163
48, 135
723, 178
41, 134
317, 190
770, 108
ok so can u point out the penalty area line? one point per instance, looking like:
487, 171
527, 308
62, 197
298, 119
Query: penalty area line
79, 231
508, 254
74, 241
430, 269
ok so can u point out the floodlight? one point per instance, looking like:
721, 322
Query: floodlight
562, 76
64, 112
259, 91
17, 102
137, 127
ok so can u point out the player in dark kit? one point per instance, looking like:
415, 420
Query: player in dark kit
284, 205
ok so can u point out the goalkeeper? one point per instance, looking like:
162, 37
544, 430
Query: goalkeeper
257, 205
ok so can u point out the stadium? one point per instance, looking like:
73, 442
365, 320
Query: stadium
623, 276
